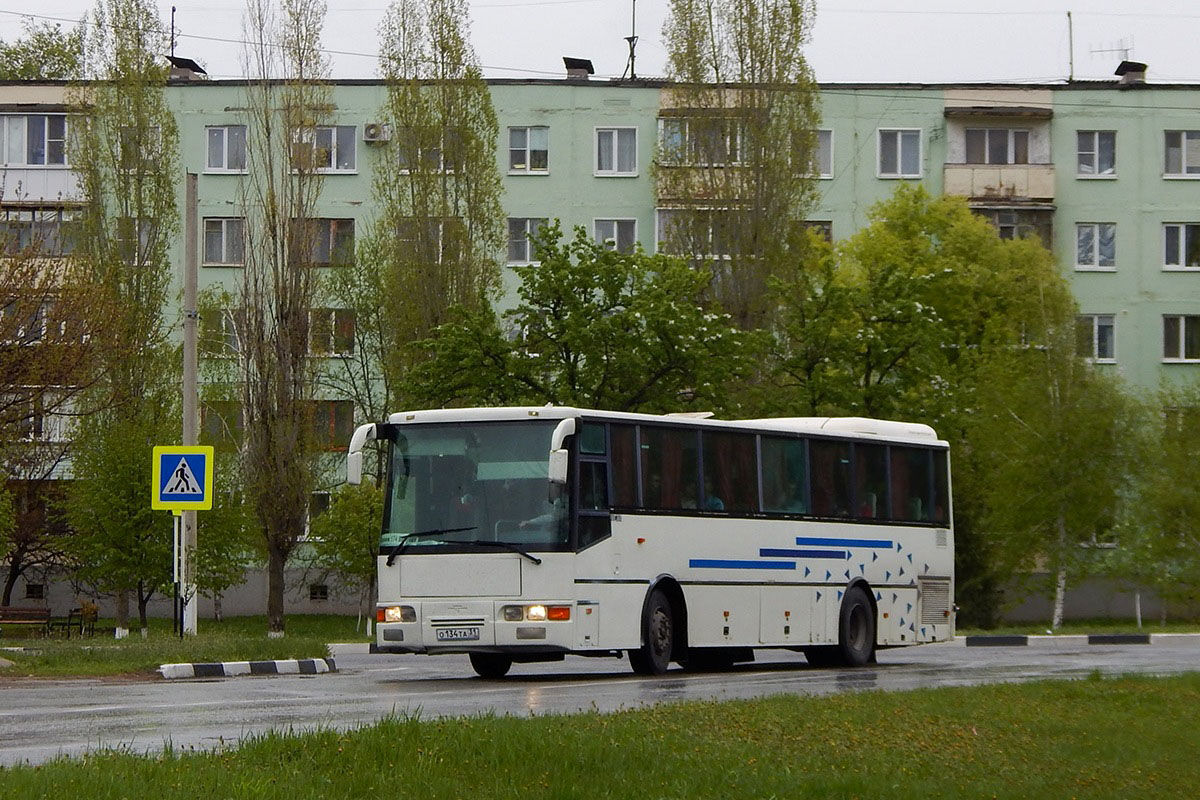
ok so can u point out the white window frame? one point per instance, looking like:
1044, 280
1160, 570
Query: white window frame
899, 134
10, 123
616, 171
1179, 231
1184, 136
48, 227
1094, 154
710, 255
1181, 325
220, 333
224, 224
688, 152
1096, 322
308, 135
224, 167
1094, 264
528, 150
616, 237
331, 316
819, 170
528, 259
1010, 146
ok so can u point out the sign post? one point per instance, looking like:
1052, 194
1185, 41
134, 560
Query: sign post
182, 480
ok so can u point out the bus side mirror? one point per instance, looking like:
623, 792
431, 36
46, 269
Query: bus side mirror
558, 452
362, 434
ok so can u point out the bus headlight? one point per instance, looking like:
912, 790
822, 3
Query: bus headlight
513, 613
399, 614
535, 613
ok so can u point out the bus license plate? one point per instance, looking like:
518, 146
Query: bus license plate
458, 634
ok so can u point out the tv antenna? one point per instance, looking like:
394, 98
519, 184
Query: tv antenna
632, 38
172, 31
1125, 48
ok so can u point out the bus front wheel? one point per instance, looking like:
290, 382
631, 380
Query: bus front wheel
491, 665
658, 637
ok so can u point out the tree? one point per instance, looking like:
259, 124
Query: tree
120, 545
439, 226
594, 328
739, 133
1158, 539
1052, 436
287, 102
125, 146
345, 538
44, 53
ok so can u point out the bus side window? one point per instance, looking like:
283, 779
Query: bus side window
670, 468
870, 481
941, 487
911, 484
624, 466
784, 476
830, 478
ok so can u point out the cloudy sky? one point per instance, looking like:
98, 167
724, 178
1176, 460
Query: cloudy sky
853, 40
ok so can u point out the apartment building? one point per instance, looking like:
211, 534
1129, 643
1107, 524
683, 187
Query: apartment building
1106, 173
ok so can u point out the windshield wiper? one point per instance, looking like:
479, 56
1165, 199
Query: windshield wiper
516, 548
400, 545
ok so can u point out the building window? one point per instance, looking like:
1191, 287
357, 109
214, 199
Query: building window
1095, 245
218, 331
823, 157
318, 504
333, 423
325, 241
699, 233
821, 227
700, 142
1182, 153
226, 148
900, 153
617, 234
34, 140
529, 149
616, 151
1181, 246
222, 422
1096, 153
35, 591
224, 243
318, 591
328, 148
330, 332
1094, 337
40, 231
997, 146
520, 231
1181, 337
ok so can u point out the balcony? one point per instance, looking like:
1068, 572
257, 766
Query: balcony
1003, 182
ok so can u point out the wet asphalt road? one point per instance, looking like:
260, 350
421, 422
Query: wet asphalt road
40, 719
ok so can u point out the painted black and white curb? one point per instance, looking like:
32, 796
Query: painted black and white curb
1070, 640
228, 669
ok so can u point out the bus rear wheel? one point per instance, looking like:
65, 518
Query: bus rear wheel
658, 637
491, 665
856, 629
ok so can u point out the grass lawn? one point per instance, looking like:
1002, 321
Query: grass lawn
1100, 738
235, 639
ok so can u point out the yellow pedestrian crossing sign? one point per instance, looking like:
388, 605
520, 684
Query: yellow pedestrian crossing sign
182, 479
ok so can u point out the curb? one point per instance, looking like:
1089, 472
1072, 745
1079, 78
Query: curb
1072, 639
229, 669
351, 648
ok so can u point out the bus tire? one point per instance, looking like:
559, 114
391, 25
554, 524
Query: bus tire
658, 637
856, 629
491, 665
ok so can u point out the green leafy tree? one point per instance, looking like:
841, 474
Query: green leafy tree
439, 224
345, 538
739, 133
594, 328
44, 53
120, 545
125, 146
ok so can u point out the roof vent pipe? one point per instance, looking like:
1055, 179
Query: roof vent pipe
1132, 73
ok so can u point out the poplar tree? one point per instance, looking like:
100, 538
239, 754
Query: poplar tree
439, 230
287, 101
734, 169
125, 151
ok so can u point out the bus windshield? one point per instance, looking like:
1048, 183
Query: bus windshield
455, 486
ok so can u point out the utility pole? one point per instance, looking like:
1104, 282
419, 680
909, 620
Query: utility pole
190, 319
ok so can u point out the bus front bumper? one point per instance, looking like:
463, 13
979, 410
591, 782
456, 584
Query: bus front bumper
435, 626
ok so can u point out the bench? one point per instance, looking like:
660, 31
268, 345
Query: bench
12, 616
82, 624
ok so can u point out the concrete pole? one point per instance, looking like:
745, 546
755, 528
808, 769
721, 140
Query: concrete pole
190, 319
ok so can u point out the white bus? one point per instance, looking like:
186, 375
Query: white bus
524, 534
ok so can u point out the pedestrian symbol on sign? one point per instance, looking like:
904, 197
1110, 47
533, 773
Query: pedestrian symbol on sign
183, 481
